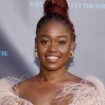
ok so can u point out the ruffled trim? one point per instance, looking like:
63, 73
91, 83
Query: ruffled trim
7, 96
83, 93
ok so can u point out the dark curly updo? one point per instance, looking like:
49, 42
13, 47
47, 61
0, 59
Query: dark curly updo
56, 10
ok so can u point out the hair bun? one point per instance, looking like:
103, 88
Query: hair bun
56, 7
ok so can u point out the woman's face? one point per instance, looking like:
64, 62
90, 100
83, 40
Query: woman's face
54, 45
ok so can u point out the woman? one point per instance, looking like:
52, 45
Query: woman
54, 85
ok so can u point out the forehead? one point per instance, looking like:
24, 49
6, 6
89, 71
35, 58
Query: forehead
54, 28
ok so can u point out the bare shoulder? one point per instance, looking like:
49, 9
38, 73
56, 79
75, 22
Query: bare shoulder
80, 81
94, 81
72, 79
25, 85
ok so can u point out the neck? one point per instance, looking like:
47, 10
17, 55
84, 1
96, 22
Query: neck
53, 76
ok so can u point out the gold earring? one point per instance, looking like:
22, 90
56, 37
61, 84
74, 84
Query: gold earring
35, 53
71, 54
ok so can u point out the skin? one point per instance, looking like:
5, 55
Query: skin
54, 42
54, 39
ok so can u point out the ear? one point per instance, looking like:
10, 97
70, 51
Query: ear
73, 46
35, 42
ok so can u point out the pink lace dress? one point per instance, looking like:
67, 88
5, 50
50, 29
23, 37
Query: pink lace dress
83, 94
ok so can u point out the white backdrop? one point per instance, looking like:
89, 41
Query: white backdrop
18, 20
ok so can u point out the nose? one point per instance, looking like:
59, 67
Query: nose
52, 47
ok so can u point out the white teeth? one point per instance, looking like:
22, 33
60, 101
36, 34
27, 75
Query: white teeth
52, 57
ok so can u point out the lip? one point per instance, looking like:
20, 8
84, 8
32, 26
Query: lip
52, 58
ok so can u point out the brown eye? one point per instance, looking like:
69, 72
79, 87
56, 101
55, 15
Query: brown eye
44, 41
61, 42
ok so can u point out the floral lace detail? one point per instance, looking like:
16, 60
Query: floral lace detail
7, 97
83, 93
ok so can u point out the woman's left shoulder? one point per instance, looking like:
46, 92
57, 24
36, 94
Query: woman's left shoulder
94, 81
89, 91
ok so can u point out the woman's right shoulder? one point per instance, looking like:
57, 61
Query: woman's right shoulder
6, 86
24, 85
7, 94
8, 82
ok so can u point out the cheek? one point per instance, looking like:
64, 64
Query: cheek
65, 52
65, 49
41, 50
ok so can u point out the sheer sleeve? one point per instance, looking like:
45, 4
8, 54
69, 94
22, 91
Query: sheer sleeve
85, 94
7, 96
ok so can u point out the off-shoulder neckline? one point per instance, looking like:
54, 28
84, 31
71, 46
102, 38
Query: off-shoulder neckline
96, 81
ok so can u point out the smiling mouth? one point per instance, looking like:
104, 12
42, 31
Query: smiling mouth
52, 58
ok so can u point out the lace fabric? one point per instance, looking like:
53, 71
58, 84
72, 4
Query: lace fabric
83, 93
7, 96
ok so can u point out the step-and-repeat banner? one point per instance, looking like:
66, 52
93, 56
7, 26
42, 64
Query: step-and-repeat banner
18, 19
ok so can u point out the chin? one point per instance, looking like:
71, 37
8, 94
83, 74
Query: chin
53, 67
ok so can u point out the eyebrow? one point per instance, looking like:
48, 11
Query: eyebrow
45, 35
63, 36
